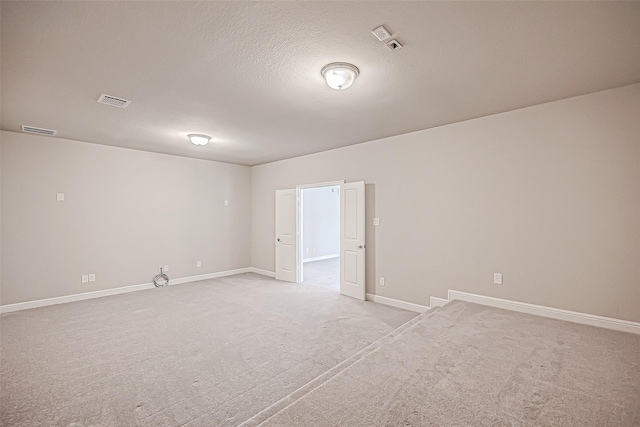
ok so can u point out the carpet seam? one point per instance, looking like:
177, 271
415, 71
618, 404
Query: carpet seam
310, 386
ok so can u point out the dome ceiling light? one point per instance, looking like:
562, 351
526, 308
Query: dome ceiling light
198, 139
340, 75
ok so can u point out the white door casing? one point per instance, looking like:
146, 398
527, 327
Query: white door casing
286, 261
352, 242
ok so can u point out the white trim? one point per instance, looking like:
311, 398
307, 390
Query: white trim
8, 308
554, 313
209, 276
397, 303
321, 184
262, 272
320, 258
437, 302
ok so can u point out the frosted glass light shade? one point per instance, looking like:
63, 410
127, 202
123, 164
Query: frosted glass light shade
340, 75
199, 139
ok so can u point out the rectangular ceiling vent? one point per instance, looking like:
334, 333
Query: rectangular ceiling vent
39, 131
113, 100
381, 33
394, 45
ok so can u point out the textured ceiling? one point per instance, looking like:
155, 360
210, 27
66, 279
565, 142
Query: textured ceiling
248, 74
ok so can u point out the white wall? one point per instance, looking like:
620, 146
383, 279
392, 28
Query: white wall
320, 222
547, 195
125, 213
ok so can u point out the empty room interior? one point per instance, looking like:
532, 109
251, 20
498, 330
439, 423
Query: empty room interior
317, 214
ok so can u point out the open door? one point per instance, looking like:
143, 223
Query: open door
286, 263
352, 244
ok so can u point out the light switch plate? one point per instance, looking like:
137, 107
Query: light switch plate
376, 222
85, 278
497, 278
226, 203
60, 197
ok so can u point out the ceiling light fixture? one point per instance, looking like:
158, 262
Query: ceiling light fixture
199, 139
340, 75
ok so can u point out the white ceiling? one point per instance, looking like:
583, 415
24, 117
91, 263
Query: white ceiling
248, 74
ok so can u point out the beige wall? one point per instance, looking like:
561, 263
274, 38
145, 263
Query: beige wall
548, 195
125, 213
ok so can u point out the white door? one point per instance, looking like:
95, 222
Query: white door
352, 244
286, 265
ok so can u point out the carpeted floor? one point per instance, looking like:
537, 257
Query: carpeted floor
471, 365
324, 273
248, 350
212, 353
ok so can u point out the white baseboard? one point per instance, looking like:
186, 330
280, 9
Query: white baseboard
554, 313
262, 272
397, 303
209, 276
8, 308
437, 302
320, 258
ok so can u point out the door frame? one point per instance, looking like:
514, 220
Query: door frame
299, 211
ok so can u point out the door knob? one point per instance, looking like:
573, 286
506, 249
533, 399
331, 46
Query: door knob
279, 240
361, 247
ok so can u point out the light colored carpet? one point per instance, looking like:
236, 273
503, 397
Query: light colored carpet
471, 365
325, 273
212, 353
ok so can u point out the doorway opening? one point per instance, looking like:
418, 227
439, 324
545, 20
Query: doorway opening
320, 236
289, 248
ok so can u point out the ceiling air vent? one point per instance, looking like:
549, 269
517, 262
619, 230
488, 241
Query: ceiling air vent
39, 131
113, 100
381, 33
394, 45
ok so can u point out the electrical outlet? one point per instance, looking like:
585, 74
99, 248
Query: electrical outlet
198, 264
497, 278
165, 269
85, 278
376, 222
92, 277
382, 281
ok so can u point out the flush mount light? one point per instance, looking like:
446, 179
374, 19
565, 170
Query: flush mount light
340, 75
199, 139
